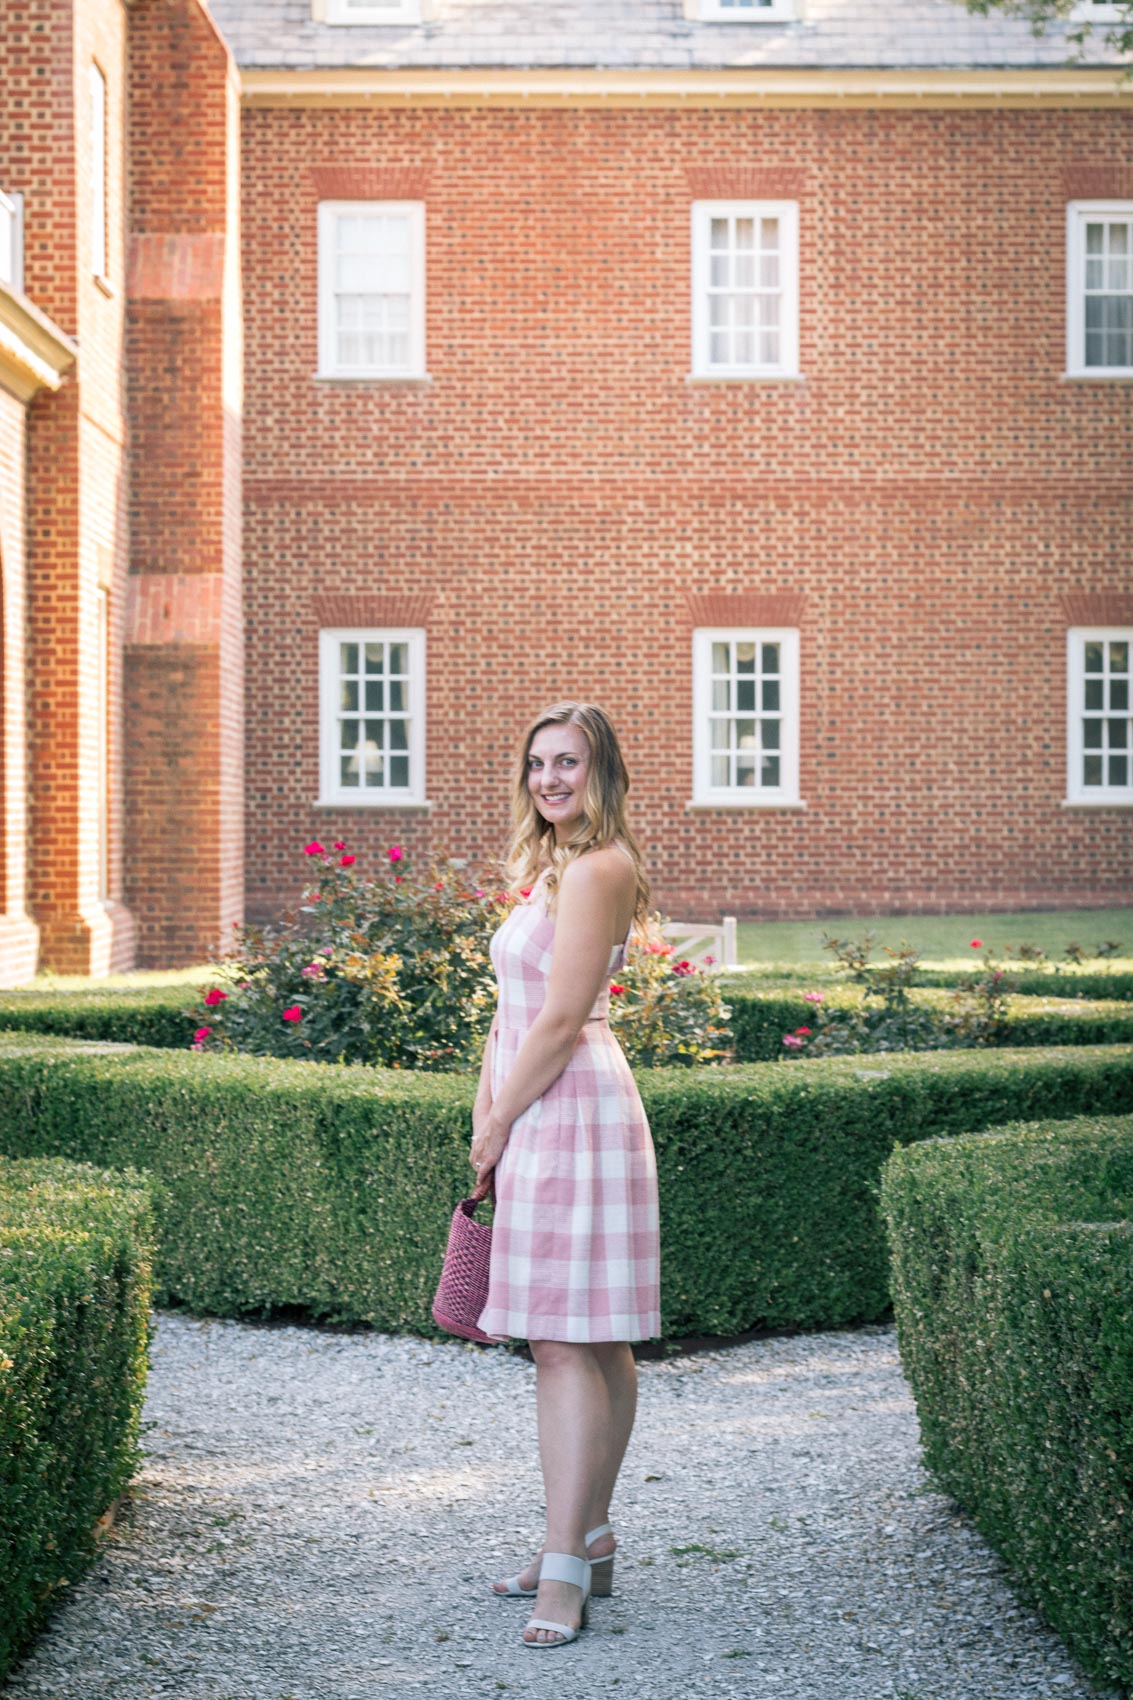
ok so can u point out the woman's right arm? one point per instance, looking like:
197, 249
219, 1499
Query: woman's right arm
484, 1091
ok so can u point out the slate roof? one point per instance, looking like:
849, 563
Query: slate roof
648, 35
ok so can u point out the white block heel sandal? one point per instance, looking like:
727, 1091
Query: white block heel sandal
562, 1567
602, 1584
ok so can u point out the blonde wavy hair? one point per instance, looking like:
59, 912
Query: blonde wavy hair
603, 819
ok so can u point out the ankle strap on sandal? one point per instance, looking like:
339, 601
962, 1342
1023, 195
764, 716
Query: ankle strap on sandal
565, 1567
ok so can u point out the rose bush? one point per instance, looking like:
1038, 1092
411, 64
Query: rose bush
394, 970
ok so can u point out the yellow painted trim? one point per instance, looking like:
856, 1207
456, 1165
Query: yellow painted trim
1106, 87
34, 352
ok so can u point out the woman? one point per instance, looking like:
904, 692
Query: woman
575, 1265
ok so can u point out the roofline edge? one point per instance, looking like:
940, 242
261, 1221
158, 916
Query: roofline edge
1101, 86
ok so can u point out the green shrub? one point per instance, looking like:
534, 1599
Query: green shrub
1012, 1256
332, 1188
75, 1277
760, 1019
164, 1017
395, 971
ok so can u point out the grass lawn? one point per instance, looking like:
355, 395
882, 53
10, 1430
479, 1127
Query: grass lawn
138, 980
943, 940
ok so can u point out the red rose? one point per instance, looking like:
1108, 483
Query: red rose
397, 879
314, 848
977, 944
395, 852
201, 1035
340, 844
215, 996
526, 890
616, 991
293, 1014
347, 861
803, 1031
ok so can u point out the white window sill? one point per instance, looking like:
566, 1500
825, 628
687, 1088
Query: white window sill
415, 378
745, 378
387, 803
1097, 802
746, 803
1098, 374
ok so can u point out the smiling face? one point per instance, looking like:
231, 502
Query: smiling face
558, 761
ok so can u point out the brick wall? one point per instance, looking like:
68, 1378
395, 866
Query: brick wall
184, 666
560, 491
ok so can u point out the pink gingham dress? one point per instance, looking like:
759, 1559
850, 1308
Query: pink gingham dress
575, 1234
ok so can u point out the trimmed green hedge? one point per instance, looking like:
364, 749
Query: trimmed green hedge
1013, 1293
76, 1248
329, 1188
759, 1019
1111, 985
160, 1017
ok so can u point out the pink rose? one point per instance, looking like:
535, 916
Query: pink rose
293, 1014
792, 1043
977, 944
201, 1035
708, 961
313, 971
314, 848
812, 997
395, 852
214, 996
340, 844
683, 969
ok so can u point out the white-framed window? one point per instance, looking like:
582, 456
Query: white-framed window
372, 12
1099, 731
12, 240
371, 289
746, 715
372, 716
746, 11
1099, 289
745, 289
97, 171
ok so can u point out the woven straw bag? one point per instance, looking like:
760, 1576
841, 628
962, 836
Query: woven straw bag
462, 1291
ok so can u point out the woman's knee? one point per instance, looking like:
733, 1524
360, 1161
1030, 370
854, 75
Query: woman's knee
561, 1354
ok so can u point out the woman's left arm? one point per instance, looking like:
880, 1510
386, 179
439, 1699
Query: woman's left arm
587, 905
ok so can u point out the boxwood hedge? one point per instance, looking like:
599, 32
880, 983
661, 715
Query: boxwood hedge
1013, 1292
760, 1018
330, 1188
76, 1247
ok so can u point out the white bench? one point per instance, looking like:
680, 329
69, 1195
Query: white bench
693, 941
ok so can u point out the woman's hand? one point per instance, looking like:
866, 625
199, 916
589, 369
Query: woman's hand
489, 1136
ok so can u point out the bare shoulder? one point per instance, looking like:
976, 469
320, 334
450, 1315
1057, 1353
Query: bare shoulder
608, 869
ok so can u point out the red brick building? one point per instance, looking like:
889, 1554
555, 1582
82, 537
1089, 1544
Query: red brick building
758, 373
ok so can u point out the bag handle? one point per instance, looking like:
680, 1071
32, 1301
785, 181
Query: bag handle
481, 1190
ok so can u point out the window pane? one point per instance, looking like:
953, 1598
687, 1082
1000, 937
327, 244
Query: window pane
770, 770
718, 233
399, 770
745, 771
745, 734
720, 734
374, 694
1095, 689
1119, 694
721, 695
1092, 770
348, 770
769, 661
718, 348
1119, 770
398, 735
745, 233
348, 734
745, 696
1119, 658
348, 696
721, 662
397, 702
1092, 734
375, 657
719, 770
745, 658
348, 657
769, 730
375, 734
771, 695
1118, 734
1094, 658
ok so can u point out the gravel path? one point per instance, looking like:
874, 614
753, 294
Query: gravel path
319, 1514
